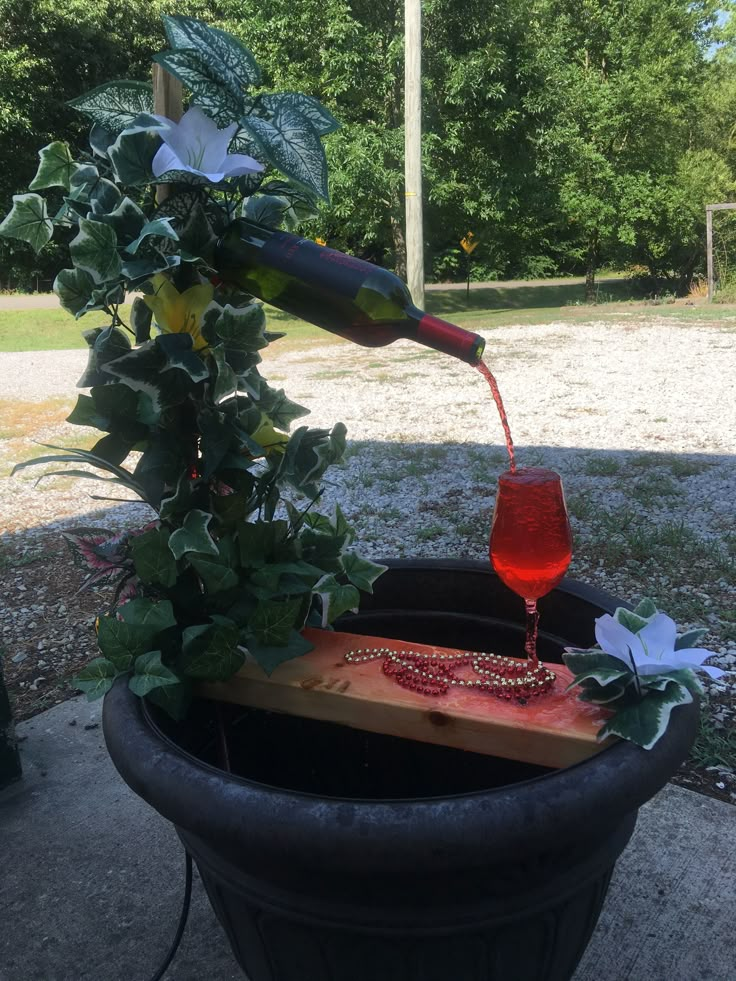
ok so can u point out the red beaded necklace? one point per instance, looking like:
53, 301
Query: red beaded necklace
434, 674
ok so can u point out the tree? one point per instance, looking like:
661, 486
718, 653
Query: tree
616, 116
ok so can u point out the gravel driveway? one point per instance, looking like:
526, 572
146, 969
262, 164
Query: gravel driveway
638, 416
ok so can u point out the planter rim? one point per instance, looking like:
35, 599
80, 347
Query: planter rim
570, 802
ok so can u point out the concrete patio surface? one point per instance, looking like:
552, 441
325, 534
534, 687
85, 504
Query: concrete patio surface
91, 879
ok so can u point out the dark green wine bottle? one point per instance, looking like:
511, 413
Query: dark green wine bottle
342, 294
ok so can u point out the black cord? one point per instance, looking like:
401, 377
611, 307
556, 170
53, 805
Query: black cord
182, 920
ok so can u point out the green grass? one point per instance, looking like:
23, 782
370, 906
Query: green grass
484, 309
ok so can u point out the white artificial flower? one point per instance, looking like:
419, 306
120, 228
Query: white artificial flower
196, 145
652, 648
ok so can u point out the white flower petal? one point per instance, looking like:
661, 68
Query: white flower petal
165, 159
614, 638
236, 164
658, 637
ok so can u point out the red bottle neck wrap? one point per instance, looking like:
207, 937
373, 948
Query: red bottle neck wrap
449, 339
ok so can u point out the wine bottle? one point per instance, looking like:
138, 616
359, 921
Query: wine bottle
341, 294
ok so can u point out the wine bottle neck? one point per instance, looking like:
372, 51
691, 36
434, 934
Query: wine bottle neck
446, 337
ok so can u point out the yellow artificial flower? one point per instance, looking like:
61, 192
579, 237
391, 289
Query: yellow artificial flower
321, 241
269, 438
180, 313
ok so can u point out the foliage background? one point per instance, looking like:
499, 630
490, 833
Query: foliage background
567, 134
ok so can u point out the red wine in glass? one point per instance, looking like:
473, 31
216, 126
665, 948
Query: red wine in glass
531, 542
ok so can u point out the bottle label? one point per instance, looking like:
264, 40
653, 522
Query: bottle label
305, 260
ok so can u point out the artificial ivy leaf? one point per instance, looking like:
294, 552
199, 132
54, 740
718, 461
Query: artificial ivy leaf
180, 501
217, 435
178, 354
591, 691
216, 575
142, 371
259, 541
210, 652
173, 699
266, 209
141, 316
122, 642
116, 105
106, 344
100, 139
226, 384
155, 261
96, 678
127, 220
645, 722
193, 535
269, 657
690, 639
273, 621
290, 143
150, 674
321, 118
593, 661
336, 599
153, 559
241, 328
160, 466
361, 572
193, 69
55, 167
74, 289
154, 615
132, 155
233, 63
28, 221
646, 609
114, 448
309, 453
160, 227
94, 250
196, 236
84, 413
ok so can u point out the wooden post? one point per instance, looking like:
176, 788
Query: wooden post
709, 249
167, 101
413, 148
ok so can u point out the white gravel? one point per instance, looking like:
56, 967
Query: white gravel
639, 416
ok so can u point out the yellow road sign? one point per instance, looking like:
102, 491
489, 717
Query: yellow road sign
469, 243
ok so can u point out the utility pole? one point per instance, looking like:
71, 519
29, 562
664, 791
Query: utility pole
413, 148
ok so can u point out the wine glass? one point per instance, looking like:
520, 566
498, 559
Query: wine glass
531, 542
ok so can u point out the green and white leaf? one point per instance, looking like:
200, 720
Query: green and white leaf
336, 599
132, 156
216, 575
230, 60
321, 118
28, 221
292, 145
141, 316
115, 105
361, 572
241, 328
94, 250
193, 536
645, 722
55, 168
208, 91
74, 289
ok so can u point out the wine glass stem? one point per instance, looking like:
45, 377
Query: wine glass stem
532, 624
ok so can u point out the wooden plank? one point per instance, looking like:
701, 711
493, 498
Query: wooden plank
709, 249
554, 729
167, 101
720, 207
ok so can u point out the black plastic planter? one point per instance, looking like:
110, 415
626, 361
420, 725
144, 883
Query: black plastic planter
338, 855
